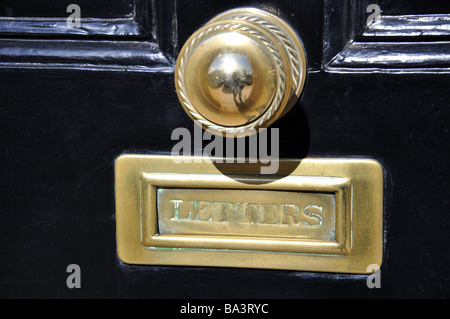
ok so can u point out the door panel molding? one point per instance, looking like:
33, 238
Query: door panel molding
133, 23
145, 41
396, 43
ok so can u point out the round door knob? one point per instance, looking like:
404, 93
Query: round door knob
240, 72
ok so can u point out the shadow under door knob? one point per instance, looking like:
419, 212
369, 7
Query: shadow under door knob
240, 72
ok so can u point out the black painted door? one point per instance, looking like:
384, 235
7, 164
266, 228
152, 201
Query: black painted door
73, 99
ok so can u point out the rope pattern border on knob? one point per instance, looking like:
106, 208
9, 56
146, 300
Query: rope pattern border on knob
281, 81
287, 43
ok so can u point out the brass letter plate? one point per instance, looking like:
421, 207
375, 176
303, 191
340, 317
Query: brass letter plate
325, 215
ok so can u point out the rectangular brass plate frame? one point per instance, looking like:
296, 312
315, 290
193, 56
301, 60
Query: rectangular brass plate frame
322, 215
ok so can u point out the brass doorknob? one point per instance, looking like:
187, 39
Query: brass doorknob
240, 72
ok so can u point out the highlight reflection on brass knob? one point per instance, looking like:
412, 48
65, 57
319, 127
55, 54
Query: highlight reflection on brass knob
240, 72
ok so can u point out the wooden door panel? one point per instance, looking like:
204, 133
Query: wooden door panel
71, 103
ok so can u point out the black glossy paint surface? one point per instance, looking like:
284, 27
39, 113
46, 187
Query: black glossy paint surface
61, 130
58, 8
61, 133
